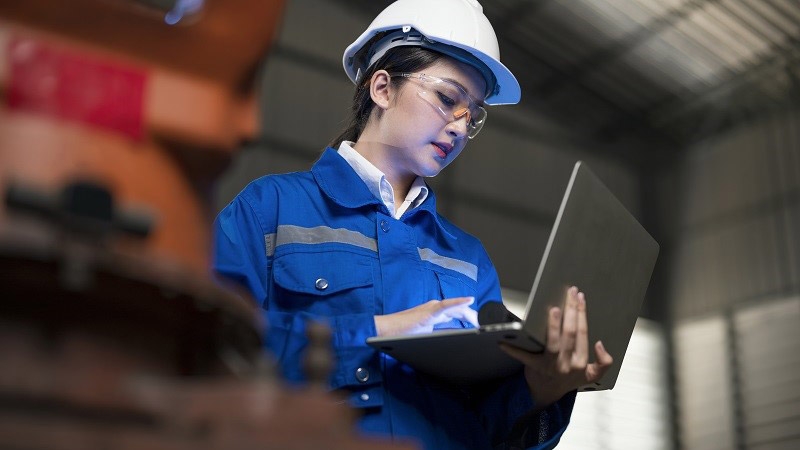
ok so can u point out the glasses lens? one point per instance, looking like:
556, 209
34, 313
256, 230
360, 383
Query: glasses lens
452, 102
478, 119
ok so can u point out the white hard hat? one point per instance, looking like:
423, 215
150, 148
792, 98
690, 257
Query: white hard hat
457, 28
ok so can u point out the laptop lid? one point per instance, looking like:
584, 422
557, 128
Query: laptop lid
597, 245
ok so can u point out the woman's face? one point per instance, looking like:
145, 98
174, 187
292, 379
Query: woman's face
419, 140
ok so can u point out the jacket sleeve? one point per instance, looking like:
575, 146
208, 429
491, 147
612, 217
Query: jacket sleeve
543, 430
239, 249
508, 417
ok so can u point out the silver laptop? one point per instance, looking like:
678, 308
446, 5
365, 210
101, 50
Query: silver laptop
595, 244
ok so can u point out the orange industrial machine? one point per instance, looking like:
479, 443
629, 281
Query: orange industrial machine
115, 117
109, 90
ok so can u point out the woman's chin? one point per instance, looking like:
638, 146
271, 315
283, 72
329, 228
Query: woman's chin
431, 170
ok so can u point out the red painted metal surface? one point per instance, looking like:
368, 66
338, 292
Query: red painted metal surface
67, 85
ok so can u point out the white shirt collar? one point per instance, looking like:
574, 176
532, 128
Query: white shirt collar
378, 184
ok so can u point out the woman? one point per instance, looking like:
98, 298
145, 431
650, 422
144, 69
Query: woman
357, 242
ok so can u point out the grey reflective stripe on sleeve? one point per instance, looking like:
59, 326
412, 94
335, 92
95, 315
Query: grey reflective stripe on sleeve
470, 270
293, 234
269, 243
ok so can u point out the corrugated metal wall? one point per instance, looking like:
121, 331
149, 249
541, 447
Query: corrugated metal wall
737, 378
733, 256
734, 211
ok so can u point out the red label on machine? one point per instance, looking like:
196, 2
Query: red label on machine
71, 86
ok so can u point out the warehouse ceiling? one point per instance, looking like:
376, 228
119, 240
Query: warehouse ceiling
663, 72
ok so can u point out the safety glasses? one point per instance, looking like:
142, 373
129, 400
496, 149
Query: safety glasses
450, 99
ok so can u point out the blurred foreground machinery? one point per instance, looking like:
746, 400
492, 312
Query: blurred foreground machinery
112, 349
115, 117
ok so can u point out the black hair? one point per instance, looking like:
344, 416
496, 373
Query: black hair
398, 59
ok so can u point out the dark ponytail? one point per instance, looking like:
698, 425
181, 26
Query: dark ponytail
399, 59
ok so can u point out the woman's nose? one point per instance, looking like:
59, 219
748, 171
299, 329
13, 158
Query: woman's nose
458, 128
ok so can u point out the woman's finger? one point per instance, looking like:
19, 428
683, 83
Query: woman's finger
471, 316
596, 370
463, 312
554, 331
568, 330
581, 355
456, 308
455, 301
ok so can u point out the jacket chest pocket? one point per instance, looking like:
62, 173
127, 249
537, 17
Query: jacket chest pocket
325, 283
451, 286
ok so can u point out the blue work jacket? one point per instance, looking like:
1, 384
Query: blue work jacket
318, 245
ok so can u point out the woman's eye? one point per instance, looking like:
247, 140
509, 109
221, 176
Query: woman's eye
445, 99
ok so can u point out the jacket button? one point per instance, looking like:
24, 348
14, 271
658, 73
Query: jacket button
364, 397
362, 375
321, 284
384, 226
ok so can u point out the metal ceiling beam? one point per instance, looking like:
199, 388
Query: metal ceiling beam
722, 117
639, 127
688, 108
625, 121
777, 57
752, 12
780, 8
620, 47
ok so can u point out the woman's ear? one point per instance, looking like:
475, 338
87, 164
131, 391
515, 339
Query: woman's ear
380, 89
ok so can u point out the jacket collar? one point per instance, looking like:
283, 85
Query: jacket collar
340, 182
343, 185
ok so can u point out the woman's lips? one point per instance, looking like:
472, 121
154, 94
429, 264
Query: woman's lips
443, 149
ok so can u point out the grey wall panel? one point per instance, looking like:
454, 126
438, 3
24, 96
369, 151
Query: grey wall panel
692, 292
532, 172
527, 121
512, 168
667, 204
730, 212
787, 150
724, 176
254, 162
767, 336
515, 247
790, 444
766, 435
321, 28
303, 106
705, 406
791, 220
738, 376
732, 263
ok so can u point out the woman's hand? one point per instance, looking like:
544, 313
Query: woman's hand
422, 318
563, 367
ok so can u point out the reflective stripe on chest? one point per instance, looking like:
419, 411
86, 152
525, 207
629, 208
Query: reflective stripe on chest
293, 234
